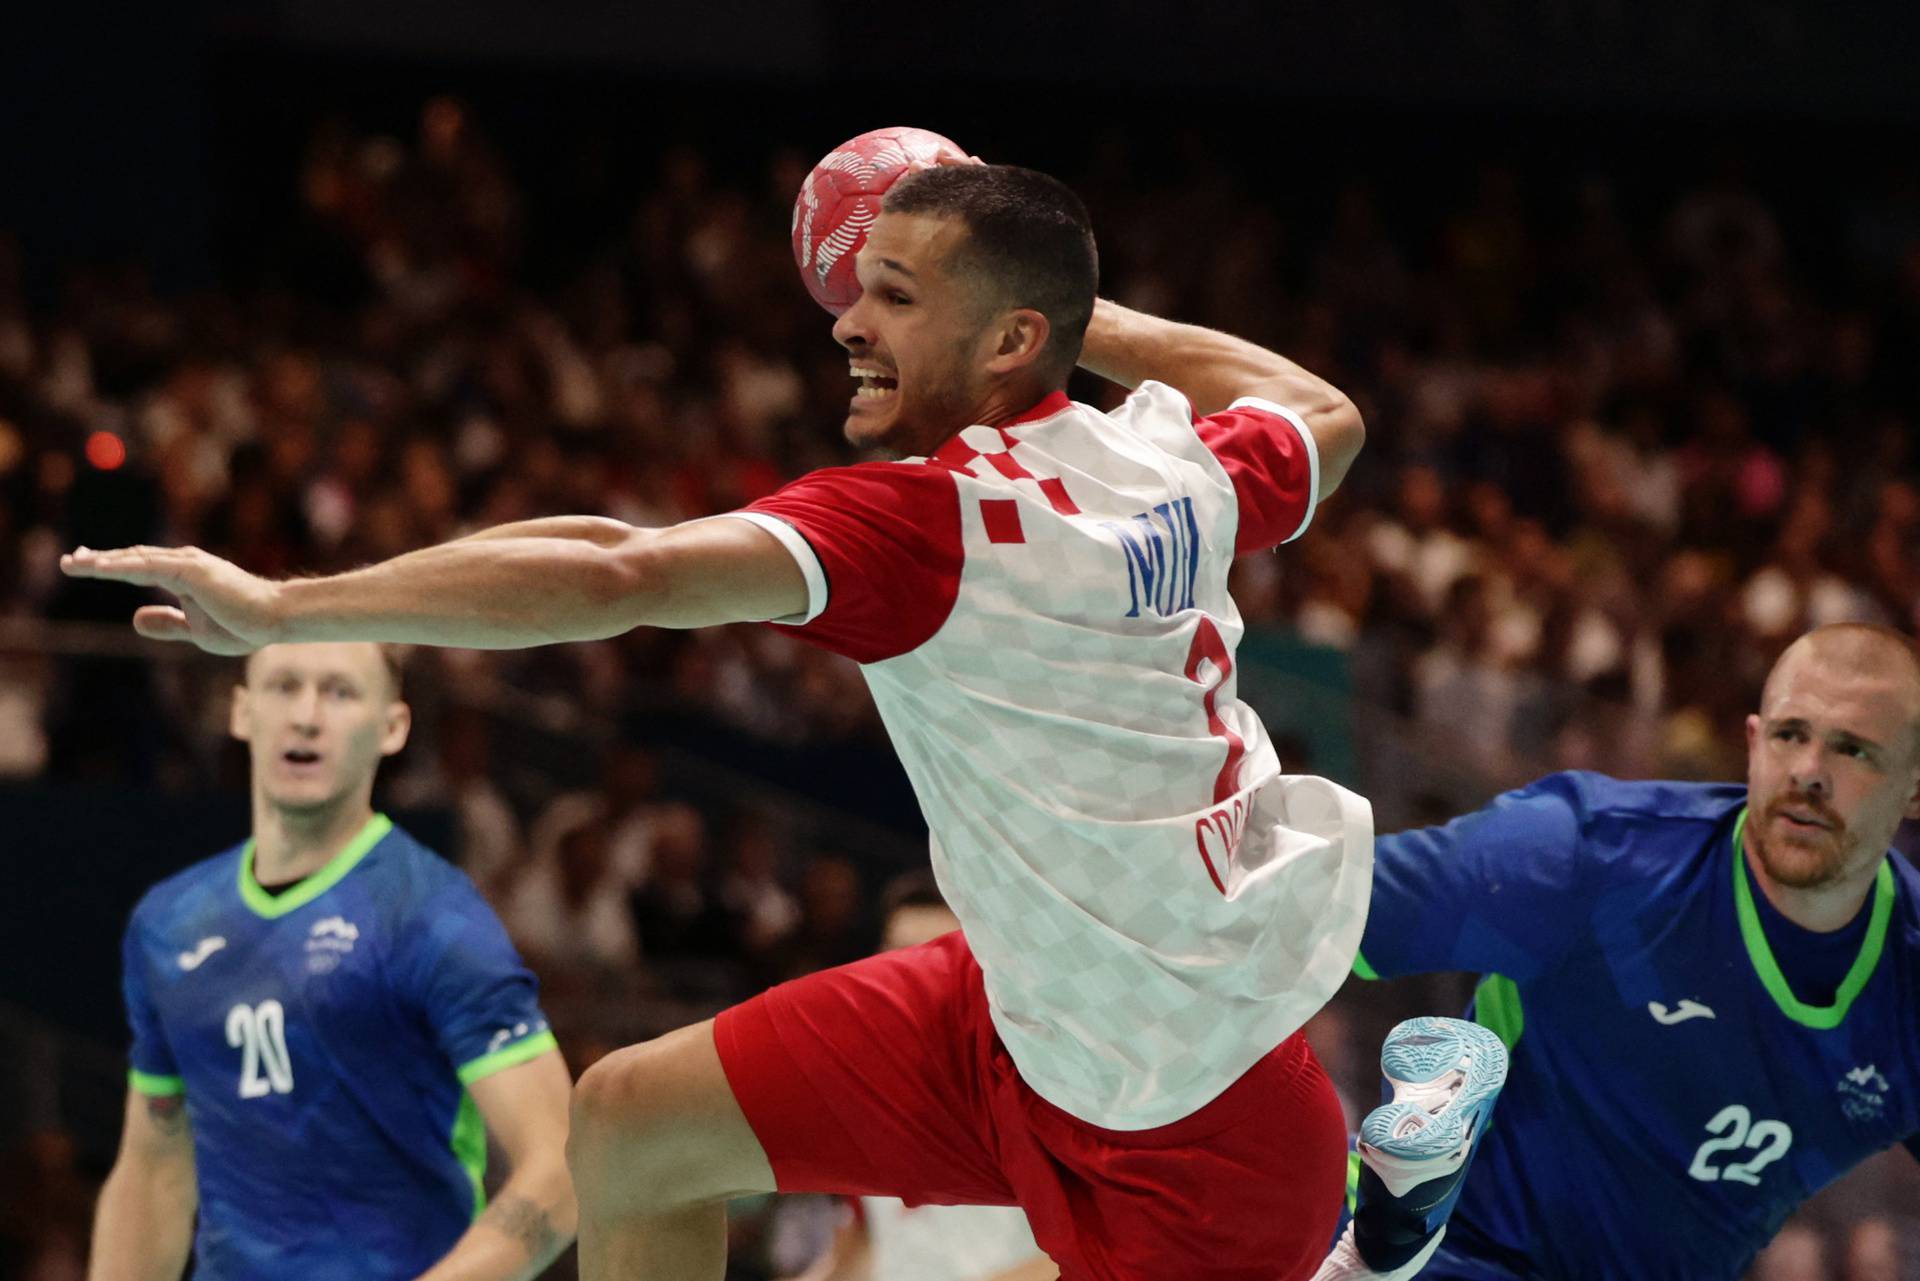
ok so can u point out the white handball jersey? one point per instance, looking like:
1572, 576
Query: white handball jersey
1041, 611
944, 1242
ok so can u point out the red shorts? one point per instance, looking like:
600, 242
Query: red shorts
885, 1078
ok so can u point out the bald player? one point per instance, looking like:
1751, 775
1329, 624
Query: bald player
1709, 990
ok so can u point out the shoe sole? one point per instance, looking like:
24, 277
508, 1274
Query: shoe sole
1445, 1074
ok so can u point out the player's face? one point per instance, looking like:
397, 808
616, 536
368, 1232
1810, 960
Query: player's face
913, 339
912, 926
317, 719
1831, 768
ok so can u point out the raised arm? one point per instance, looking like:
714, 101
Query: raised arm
143, 1225
533, 1217
1214, 369
541, 582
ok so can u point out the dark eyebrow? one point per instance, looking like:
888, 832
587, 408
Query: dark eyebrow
892, 265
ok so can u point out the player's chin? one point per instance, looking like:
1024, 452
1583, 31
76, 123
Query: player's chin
300, 794
871, 420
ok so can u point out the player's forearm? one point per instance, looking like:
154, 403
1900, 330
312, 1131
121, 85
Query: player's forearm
531, 1220
603, 531
1213, 369
477, 593
1038, 1268
143, 1225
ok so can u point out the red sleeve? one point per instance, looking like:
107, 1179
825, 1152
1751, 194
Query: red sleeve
1269, 454
887, 538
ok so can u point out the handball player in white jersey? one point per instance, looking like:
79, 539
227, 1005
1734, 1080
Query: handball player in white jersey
1037, 594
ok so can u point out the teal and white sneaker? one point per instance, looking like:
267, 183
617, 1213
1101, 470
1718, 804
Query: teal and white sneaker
1444, 1075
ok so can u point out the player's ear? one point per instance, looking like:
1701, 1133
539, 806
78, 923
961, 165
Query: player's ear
237, 709
1018, 340
1753, 731
399, 724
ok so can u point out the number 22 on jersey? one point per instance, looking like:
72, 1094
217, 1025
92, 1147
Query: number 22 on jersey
1733, 1128
259, 1032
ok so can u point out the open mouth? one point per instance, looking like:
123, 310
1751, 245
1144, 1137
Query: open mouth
874, 384
1804, 821
300, 756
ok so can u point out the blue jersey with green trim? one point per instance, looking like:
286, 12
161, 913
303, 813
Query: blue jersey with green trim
1689, 1065
324, 1039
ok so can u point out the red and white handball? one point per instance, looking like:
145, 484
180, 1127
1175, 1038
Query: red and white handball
840, 200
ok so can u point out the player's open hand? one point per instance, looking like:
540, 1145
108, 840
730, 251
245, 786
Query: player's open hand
223, 609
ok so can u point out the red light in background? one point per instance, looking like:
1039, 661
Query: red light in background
106, 450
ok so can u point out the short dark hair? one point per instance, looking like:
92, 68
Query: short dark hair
1028, 237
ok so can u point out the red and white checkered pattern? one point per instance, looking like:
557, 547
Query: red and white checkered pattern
1151, 912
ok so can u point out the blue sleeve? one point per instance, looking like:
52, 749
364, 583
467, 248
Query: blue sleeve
482, 1002
153, 1068
1495, 891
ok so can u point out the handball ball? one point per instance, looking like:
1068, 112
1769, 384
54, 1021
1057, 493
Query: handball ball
841, 198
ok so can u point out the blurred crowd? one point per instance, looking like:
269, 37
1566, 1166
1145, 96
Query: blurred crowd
1617, 456
1623, 444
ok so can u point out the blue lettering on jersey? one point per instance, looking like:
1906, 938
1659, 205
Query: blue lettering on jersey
1162, 548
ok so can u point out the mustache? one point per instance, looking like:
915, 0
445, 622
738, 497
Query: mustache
1810, 804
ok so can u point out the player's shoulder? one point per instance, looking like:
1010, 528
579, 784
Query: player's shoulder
191, 891
1154, 401
1649, 800
1906, 880
403, 871
888, 483
1646, 823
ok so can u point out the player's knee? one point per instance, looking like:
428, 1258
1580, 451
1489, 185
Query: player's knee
633, 1135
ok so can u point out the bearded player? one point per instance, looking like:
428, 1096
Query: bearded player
1709, 989
1037, 595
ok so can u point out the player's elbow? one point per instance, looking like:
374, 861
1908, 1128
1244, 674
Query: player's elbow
626, 577
1339, 433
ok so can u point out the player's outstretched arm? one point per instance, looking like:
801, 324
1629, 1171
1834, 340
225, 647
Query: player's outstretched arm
143, 1225
1214, 369
534, 1216
535, 583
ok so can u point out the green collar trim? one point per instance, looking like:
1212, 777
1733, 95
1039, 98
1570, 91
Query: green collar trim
1821, 1017
274, 906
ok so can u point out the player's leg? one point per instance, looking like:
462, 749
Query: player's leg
658, 1146
864, 1079
1444, 1076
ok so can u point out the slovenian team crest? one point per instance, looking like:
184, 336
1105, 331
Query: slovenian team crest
1863, 1093
328, 941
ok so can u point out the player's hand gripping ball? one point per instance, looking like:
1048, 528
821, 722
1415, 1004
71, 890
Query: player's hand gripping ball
840, 200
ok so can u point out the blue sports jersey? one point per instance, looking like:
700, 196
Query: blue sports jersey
1672, 1098
324, 1039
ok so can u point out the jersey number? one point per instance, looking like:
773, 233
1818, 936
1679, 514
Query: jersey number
259, 1032
1733, 1127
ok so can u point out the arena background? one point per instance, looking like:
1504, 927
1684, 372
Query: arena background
1629, 294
